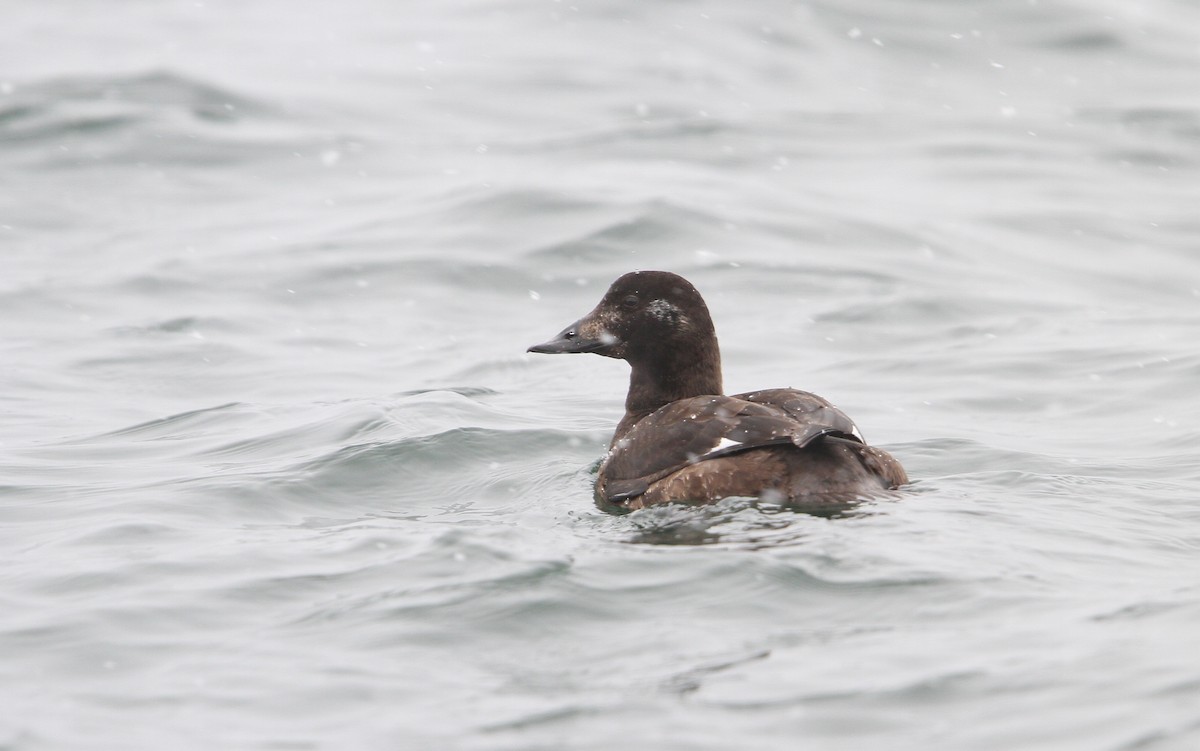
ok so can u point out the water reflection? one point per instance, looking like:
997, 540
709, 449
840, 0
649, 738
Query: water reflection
742, 522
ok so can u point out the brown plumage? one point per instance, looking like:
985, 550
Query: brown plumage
681, 439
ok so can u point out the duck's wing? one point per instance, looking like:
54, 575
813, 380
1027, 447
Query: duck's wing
806, 408
694, 430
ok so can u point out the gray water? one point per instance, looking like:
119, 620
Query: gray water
276, 473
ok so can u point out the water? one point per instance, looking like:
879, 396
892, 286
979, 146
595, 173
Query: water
276, 473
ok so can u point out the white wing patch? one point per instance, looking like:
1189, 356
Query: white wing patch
724, 443
854, 432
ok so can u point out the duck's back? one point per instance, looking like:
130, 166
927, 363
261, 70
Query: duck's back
783, 443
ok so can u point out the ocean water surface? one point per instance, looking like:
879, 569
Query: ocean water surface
277, 473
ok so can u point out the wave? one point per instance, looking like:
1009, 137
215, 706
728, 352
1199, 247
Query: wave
152, 117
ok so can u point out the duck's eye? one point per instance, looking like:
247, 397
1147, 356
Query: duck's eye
630, 302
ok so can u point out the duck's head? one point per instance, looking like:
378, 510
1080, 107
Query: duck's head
645, 316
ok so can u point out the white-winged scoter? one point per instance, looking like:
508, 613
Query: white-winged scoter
682, 440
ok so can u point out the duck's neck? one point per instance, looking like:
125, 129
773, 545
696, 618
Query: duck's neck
668, 378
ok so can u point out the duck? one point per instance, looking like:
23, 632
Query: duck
682, 440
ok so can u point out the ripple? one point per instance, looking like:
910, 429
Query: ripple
153, 117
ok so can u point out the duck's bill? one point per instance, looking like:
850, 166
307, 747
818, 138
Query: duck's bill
581, 336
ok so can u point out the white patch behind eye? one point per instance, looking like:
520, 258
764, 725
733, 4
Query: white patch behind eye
665, 311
